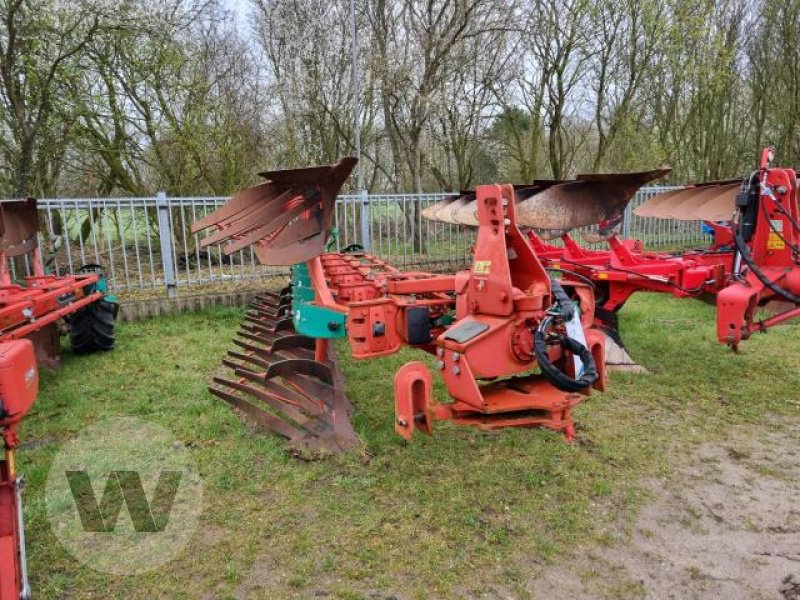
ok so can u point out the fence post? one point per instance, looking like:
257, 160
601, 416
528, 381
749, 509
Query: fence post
165, 238
366, 223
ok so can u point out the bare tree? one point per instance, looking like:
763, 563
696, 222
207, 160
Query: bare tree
459, 152
306, 44
171, 95
626, 36
418, 49
774, 76
40, 47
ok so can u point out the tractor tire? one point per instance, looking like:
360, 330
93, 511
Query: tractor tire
92, 327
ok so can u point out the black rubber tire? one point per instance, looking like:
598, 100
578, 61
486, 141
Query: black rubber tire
92, 327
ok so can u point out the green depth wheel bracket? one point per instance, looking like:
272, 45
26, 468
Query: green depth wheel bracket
101, 285
310, 320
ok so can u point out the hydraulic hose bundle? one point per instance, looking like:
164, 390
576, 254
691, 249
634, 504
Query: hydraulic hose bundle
747, 204
562, 312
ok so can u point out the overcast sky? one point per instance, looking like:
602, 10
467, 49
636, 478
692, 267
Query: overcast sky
240, 8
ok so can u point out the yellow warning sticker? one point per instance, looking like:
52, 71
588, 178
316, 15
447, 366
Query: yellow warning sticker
774, 242
482, 267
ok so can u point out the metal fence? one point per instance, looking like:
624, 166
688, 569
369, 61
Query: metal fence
145, 243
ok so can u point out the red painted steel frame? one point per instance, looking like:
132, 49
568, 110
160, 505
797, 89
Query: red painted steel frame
376, 297
29, 311
19, 383
503, 296
625, 267
774, 251
10, 568
43, 300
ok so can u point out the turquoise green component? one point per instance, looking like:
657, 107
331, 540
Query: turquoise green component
444, 321
332, 240
310, 320
102, 286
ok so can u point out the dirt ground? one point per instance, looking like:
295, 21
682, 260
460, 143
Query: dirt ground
727, 526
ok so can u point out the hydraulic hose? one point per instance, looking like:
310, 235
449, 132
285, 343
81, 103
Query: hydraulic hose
554, 375
744, 252
562, 299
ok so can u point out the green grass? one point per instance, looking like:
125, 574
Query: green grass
445, 516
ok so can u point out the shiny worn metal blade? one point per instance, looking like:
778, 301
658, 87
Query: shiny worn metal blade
275, 382
462, 209
552, 206
286, 220
447, 209
463, 212
712, 201
586, 201
19, 222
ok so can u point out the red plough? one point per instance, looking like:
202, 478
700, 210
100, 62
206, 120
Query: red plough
753, 262
32, 318
19, 385
513, 346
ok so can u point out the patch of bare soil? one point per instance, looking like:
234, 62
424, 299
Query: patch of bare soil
727, 526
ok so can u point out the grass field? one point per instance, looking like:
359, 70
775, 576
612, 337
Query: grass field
447, 516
